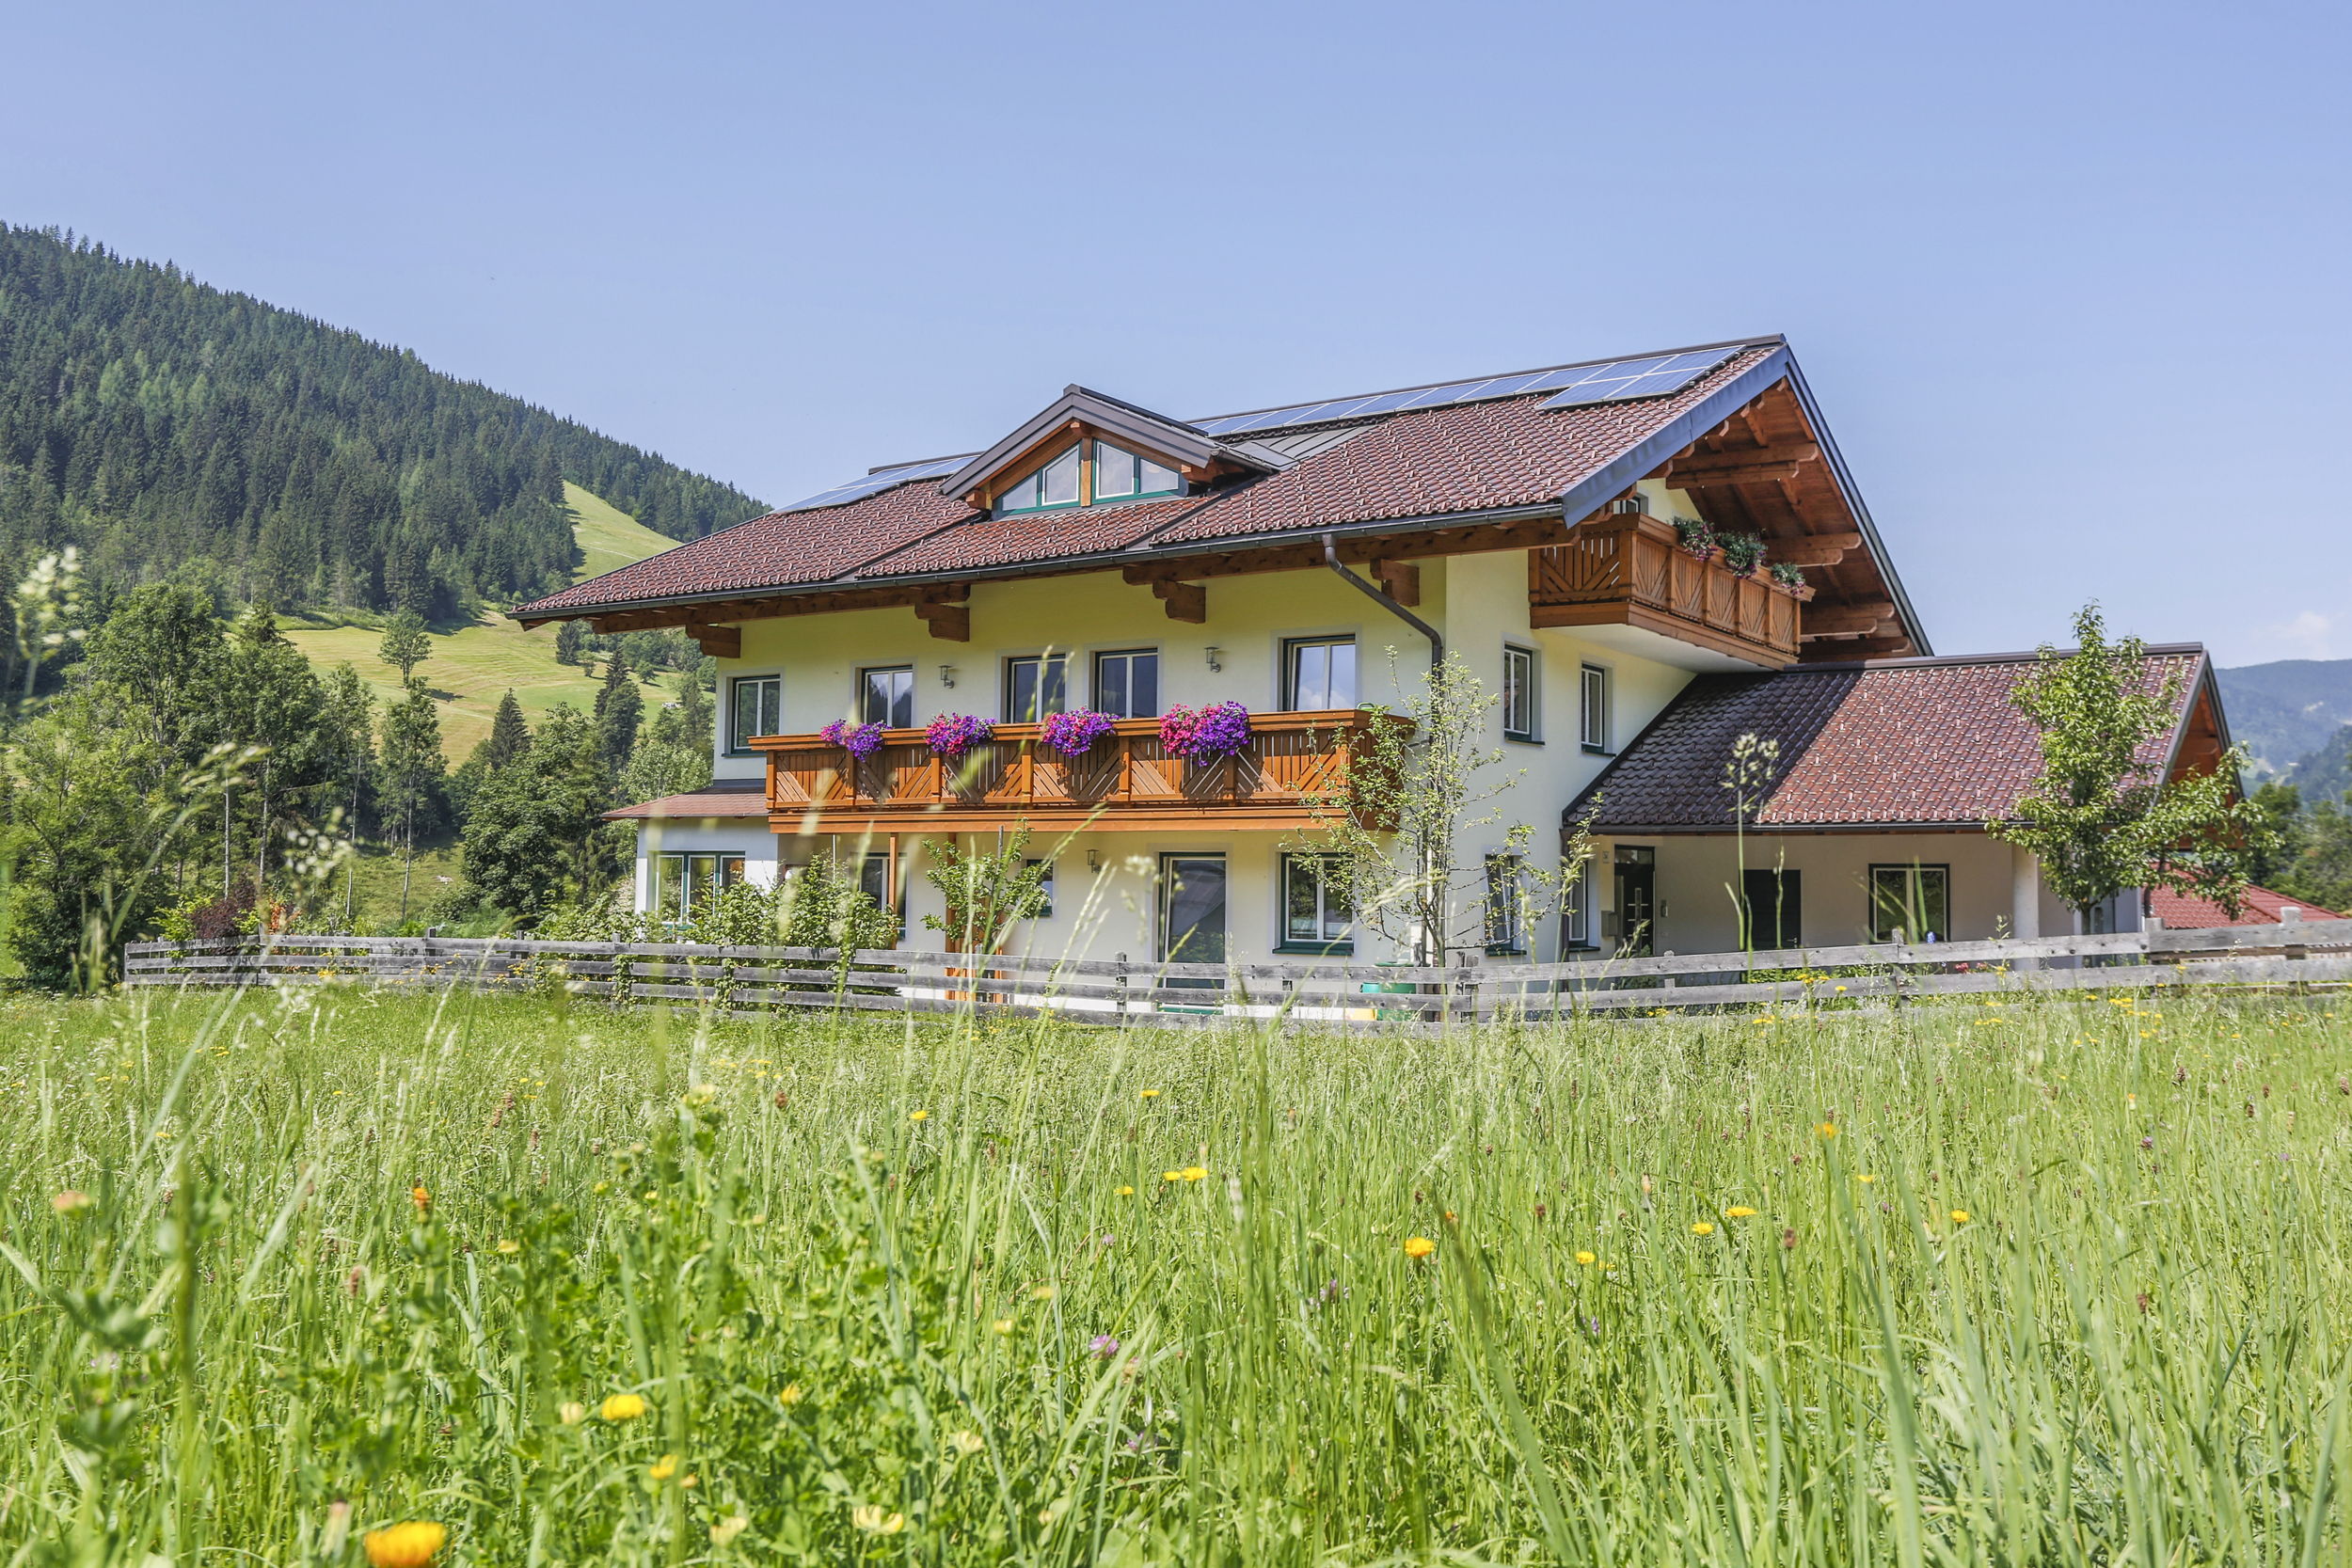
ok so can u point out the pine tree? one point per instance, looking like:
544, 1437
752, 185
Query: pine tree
412, 765
571, 642
510, 737
620, 708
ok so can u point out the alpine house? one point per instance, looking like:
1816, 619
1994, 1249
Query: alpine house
1548, 527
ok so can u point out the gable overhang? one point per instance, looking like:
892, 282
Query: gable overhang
1080, 408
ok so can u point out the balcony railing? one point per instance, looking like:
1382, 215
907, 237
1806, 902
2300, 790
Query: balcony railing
1628, 570
1294, 765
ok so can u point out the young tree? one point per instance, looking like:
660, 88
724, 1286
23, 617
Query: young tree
412, 766
1393, 827
571, 642
347, 737
273, 701
620, 708
2100, 817
988, 891
510, 735
83, 838
405, 645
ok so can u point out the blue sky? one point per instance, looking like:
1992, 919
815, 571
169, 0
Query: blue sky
2069, 280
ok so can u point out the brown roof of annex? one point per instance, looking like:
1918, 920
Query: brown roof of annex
1881, 744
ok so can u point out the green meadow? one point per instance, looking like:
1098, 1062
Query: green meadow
548, 1284
473, 666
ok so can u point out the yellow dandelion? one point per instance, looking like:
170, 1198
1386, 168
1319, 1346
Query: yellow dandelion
1196, 1173
664, 1467
1126, 1192
918, 1115
1419, 1246
409, 1545
622, 1407
1586, 1258
1868, 1180
1827, 1130
689, 1482
1738, 1212
871, 1518
1959, 1216
1171, 1176
422, 1199
1149, 1094
1700, 1228
791, 1394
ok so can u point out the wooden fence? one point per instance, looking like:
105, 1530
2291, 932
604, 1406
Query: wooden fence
2291, 955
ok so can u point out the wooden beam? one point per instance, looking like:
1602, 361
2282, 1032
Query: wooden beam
718, 641
1183, 601
1845, 619
1818, 549
1831, 652
951, 622
1703, 462
1400, 580
1730, 473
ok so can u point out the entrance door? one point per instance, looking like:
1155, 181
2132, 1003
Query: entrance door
1192, 912
1637, 882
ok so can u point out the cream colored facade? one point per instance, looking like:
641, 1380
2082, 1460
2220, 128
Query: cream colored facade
1108, 886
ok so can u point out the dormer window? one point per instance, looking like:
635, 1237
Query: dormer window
1119, 475
1055, 484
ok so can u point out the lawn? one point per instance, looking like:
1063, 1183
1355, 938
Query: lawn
473, 666
1965, 1285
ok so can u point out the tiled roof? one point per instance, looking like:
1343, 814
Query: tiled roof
1932, 742
2181, 912
1430, 463
720, 798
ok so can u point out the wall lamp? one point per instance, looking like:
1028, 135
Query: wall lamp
947, 677
1214, 666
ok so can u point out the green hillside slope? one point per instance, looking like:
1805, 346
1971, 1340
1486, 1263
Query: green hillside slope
2286, 710
473, 666
165, 426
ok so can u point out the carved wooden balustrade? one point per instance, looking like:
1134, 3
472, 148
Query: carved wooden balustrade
1628, 570
1127, 781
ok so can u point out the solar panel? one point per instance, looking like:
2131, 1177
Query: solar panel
1622, 380
874, 485
1612, 381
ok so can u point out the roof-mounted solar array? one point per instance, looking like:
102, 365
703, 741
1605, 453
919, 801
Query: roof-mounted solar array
1610, 381
875, 483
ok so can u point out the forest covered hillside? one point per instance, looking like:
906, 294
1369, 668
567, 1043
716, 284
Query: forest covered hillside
2285, 711
169, 429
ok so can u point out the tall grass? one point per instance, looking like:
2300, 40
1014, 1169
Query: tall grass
1024, 1291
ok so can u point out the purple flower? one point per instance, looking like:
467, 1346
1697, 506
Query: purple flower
863, 741
1213, 732
1074, 734
951, 734
1104, 1347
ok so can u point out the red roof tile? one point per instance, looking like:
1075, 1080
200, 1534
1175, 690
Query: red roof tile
1472, 457
1899, 742
2181, 912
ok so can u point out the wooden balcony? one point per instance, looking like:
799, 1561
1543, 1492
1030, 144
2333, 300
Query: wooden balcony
1126, 783
1627, 571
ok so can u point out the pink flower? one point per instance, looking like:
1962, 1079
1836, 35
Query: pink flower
951, 734
1218, 731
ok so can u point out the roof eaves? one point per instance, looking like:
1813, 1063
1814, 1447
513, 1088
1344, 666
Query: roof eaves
1418, 522
1852, 493
1613, 479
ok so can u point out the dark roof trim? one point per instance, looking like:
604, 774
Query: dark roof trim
1605, 484
1784, 830
1139, 425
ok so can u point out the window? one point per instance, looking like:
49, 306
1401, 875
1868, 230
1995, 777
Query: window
1576, 914
1593, 710
1127, 685
1120, 473
1911, 903
1044, 886
756, 706
874, 881
1506, 911
685, 886
1518, 693
1035, 688
1316, 913
1773, 903
1055, 484
1319, 673
886, 696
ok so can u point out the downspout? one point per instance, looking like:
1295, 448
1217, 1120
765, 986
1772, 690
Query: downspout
1437, 643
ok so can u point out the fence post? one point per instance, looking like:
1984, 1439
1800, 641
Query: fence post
1119, 984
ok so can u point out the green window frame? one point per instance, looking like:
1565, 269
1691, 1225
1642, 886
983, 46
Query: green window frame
1049, 489
1316, 915
1122, 475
